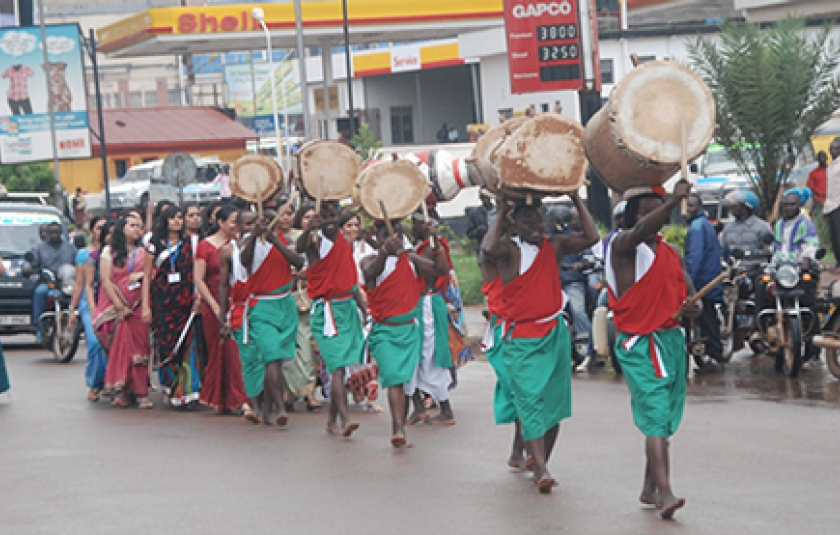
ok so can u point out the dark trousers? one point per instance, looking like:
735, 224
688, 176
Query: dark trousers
709, 327
20, 107
833, 219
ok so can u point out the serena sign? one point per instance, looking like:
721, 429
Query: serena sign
544, 48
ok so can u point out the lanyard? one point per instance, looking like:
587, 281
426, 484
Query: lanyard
173, 256
133, 259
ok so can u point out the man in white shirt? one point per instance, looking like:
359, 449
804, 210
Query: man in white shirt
832, 199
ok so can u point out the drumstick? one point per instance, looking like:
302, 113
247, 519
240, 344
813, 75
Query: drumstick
259, 204
320, 193
426, 220
702, 293
683, 166
385, 217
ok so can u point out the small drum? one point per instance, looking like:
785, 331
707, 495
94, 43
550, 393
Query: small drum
634, 140
400, 185
543, 156
255, 178
332, 162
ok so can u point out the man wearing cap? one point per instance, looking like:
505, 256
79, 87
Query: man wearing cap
648, 289
747, 230
831, 209
536, 349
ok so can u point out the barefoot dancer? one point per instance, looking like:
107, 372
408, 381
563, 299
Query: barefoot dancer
504, 408
396, 338
432, 373
334, 320
647, 285
269, 328
536, 347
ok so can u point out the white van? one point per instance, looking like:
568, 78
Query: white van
144, 183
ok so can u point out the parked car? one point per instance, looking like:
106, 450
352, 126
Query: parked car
19, 234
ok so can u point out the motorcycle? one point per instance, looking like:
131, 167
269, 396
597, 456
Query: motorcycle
829, 337
788, 327
54, 322
739, 309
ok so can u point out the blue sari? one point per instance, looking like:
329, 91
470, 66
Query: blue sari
4, 377
97, 359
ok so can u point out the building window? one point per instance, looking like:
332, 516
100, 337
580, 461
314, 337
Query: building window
174, 97
607, 76
544, 107
120, 167
150, 98
646, 59
135, 99
506, 113
402, 125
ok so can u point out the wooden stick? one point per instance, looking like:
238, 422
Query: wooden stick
706, 289
683, 166
385, 217
320, 194
634, 59
432, 240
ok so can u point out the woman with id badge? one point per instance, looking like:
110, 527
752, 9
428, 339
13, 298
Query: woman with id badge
168, 305
122, 280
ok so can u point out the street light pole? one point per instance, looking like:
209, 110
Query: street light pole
259, 15
349, 77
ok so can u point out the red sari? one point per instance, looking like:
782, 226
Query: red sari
223, 388
128, 359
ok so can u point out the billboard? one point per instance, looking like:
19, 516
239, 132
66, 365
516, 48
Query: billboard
24, 113
241, 87
544, 45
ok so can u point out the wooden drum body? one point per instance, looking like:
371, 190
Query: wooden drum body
330, 165
634, 140
448, 175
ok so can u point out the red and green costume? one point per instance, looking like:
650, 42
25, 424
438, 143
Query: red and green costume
504, 408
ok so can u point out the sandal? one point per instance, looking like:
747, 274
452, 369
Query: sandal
120, 401
145, 403
313, 405
93, 395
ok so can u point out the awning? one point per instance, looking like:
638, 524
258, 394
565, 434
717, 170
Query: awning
208, 29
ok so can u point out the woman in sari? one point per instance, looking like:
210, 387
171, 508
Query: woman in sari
197, 356
122, 276
84, 297
168, 303
223, 387
301, 373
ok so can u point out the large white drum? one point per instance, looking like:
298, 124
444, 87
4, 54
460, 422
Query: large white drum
399, 185
255, 178
332, 164
634, 140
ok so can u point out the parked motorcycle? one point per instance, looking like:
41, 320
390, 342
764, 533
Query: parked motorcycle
738, 310
829, 338
54, 322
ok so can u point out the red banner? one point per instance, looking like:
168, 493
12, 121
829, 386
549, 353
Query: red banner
543, 41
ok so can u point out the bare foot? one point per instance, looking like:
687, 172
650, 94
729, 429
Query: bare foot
669, 509
333, 429
417, 417
250, 416
517, 463
529, 464
440, 420
399, 442
282, 419
349, 429
546, 483
649, 497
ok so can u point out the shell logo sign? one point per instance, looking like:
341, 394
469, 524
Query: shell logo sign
202, 22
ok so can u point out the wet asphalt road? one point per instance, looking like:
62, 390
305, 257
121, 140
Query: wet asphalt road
757, 453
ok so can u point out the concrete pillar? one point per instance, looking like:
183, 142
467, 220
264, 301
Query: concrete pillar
122, 89
162, 91
327, 69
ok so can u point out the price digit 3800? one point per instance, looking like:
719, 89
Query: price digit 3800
558, 52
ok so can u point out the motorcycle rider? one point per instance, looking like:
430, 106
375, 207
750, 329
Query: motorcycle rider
51, 254
746, 231
702, 263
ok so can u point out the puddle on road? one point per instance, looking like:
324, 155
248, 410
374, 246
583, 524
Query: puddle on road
753, 377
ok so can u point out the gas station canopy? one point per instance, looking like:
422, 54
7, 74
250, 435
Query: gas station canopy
209, 29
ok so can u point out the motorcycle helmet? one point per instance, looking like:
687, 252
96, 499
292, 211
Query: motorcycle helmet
618, 211
560, 216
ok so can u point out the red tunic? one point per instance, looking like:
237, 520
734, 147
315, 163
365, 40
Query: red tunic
442, 282
533, 296
334, 275
491, 290
651, 302
398, 294
273, 274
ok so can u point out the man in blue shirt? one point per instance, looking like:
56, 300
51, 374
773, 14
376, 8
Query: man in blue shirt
702, 261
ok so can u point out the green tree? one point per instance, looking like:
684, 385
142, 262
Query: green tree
366, 143
28, 177
773, 88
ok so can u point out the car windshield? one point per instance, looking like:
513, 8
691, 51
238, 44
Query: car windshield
137, 175
19, 231
718, 162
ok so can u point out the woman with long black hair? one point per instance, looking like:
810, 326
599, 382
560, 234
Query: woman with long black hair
167, 305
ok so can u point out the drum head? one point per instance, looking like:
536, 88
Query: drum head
481, 162
649, 106
544, 155
335, 163
400, 185
255, 178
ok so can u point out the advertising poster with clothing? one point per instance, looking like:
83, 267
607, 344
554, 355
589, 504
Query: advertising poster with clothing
27, 83
241, 86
